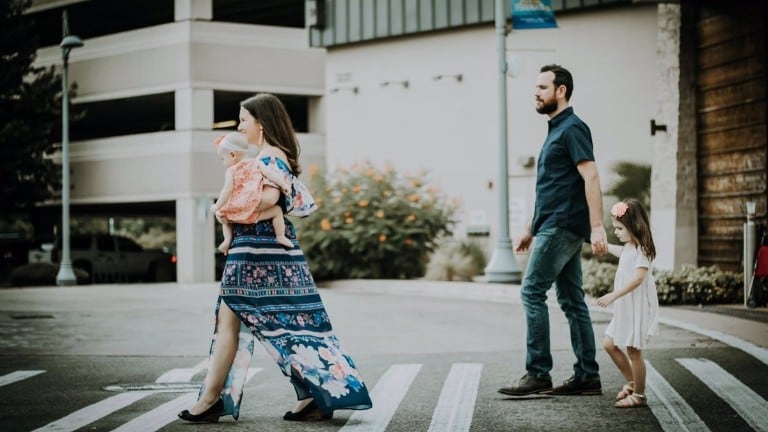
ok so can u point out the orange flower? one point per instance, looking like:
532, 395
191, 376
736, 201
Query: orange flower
415, 183
349, 220
408, 242
325, 224
363, 203
382, 238
379, 178
313, 170
387, 193
414, 198
380, 214
411, 217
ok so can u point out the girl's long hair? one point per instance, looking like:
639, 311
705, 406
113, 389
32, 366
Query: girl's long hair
278, 130
638, 223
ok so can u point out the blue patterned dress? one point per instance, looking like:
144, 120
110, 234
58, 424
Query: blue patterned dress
271, 290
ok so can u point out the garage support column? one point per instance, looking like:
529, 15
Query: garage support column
194, 240
673, 180
184, 10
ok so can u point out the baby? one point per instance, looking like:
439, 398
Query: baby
244, 180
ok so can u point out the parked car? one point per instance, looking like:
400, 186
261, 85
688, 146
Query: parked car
115, 258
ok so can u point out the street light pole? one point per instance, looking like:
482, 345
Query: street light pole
503, 265
66, 275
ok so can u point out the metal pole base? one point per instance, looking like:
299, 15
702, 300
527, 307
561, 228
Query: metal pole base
66, 275
503, 267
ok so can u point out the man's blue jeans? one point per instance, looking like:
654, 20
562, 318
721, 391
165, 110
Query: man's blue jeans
556, 258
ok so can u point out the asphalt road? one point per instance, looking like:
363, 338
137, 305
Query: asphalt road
432, 364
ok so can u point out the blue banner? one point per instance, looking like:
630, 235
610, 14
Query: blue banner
532, 14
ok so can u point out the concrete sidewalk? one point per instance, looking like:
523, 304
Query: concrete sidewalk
717, 322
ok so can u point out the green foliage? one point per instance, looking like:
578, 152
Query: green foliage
30, 116
634, 182
373, 224
690, 285
456, 260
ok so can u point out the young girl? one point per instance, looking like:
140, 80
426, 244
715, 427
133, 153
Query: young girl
243, 183
636, 306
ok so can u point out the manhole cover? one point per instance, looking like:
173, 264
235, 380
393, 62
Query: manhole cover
158, 387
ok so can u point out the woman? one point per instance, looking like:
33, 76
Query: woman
267, 291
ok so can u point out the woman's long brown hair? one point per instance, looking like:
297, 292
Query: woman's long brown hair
278, 130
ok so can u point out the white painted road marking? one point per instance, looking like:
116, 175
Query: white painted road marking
386, 397
18, 376
759, 353
750, 406
91, 413
673, 413
456, 404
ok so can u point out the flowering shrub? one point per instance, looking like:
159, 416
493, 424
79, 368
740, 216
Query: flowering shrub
372, 223
689, 285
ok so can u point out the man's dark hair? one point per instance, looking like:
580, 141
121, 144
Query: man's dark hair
562, 77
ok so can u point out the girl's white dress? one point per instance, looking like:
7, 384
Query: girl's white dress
635, 315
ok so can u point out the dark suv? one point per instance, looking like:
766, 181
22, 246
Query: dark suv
114, 258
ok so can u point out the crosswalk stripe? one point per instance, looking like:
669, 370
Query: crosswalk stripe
456, 404
741, 398
757, 352
386, 396
167, 412
18, 376
673, 414
91, 413
160, 416
178, 375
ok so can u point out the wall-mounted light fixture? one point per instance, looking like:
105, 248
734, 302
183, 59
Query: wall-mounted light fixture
403, 83
457, 77
351, 89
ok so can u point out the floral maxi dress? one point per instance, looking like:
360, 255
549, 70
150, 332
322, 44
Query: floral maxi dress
271, 290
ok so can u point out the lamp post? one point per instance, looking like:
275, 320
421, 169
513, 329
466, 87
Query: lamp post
503, 265
66, 275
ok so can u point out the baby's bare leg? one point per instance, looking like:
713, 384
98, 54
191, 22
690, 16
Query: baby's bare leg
276, 214
226, 229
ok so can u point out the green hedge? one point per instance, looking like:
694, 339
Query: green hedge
690, 285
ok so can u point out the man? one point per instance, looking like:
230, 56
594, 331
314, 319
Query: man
568, 211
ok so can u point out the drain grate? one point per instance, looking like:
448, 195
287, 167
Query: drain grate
31, 316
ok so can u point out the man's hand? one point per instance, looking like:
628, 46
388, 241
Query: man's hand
599, 241
522, 243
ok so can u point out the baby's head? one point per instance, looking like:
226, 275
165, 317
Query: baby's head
232, 142
232, 148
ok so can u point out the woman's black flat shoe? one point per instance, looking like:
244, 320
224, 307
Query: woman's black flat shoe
211, 415
309, 412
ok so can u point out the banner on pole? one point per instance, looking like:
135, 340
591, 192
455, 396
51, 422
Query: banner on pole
532, 14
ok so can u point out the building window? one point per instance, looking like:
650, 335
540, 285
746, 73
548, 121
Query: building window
94, 18
226, 108
114, 117
282, 13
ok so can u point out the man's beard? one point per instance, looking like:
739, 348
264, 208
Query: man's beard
547, 107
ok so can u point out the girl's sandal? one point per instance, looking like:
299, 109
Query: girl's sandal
627, 390
632, 401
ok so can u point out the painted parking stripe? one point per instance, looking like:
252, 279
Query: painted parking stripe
741, 398
167, 412
91, 413
456, 404
671, 410
386, 396
18, 376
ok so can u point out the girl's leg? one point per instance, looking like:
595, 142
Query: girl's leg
226, 229
638, 369
227, 329
619, 358
276, 214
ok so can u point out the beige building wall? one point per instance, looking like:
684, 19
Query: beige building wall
191, 57
448, 127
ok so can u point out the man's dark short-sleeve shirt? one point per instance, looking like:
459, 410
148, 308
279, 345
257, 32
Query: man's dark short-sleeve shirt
560, 198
